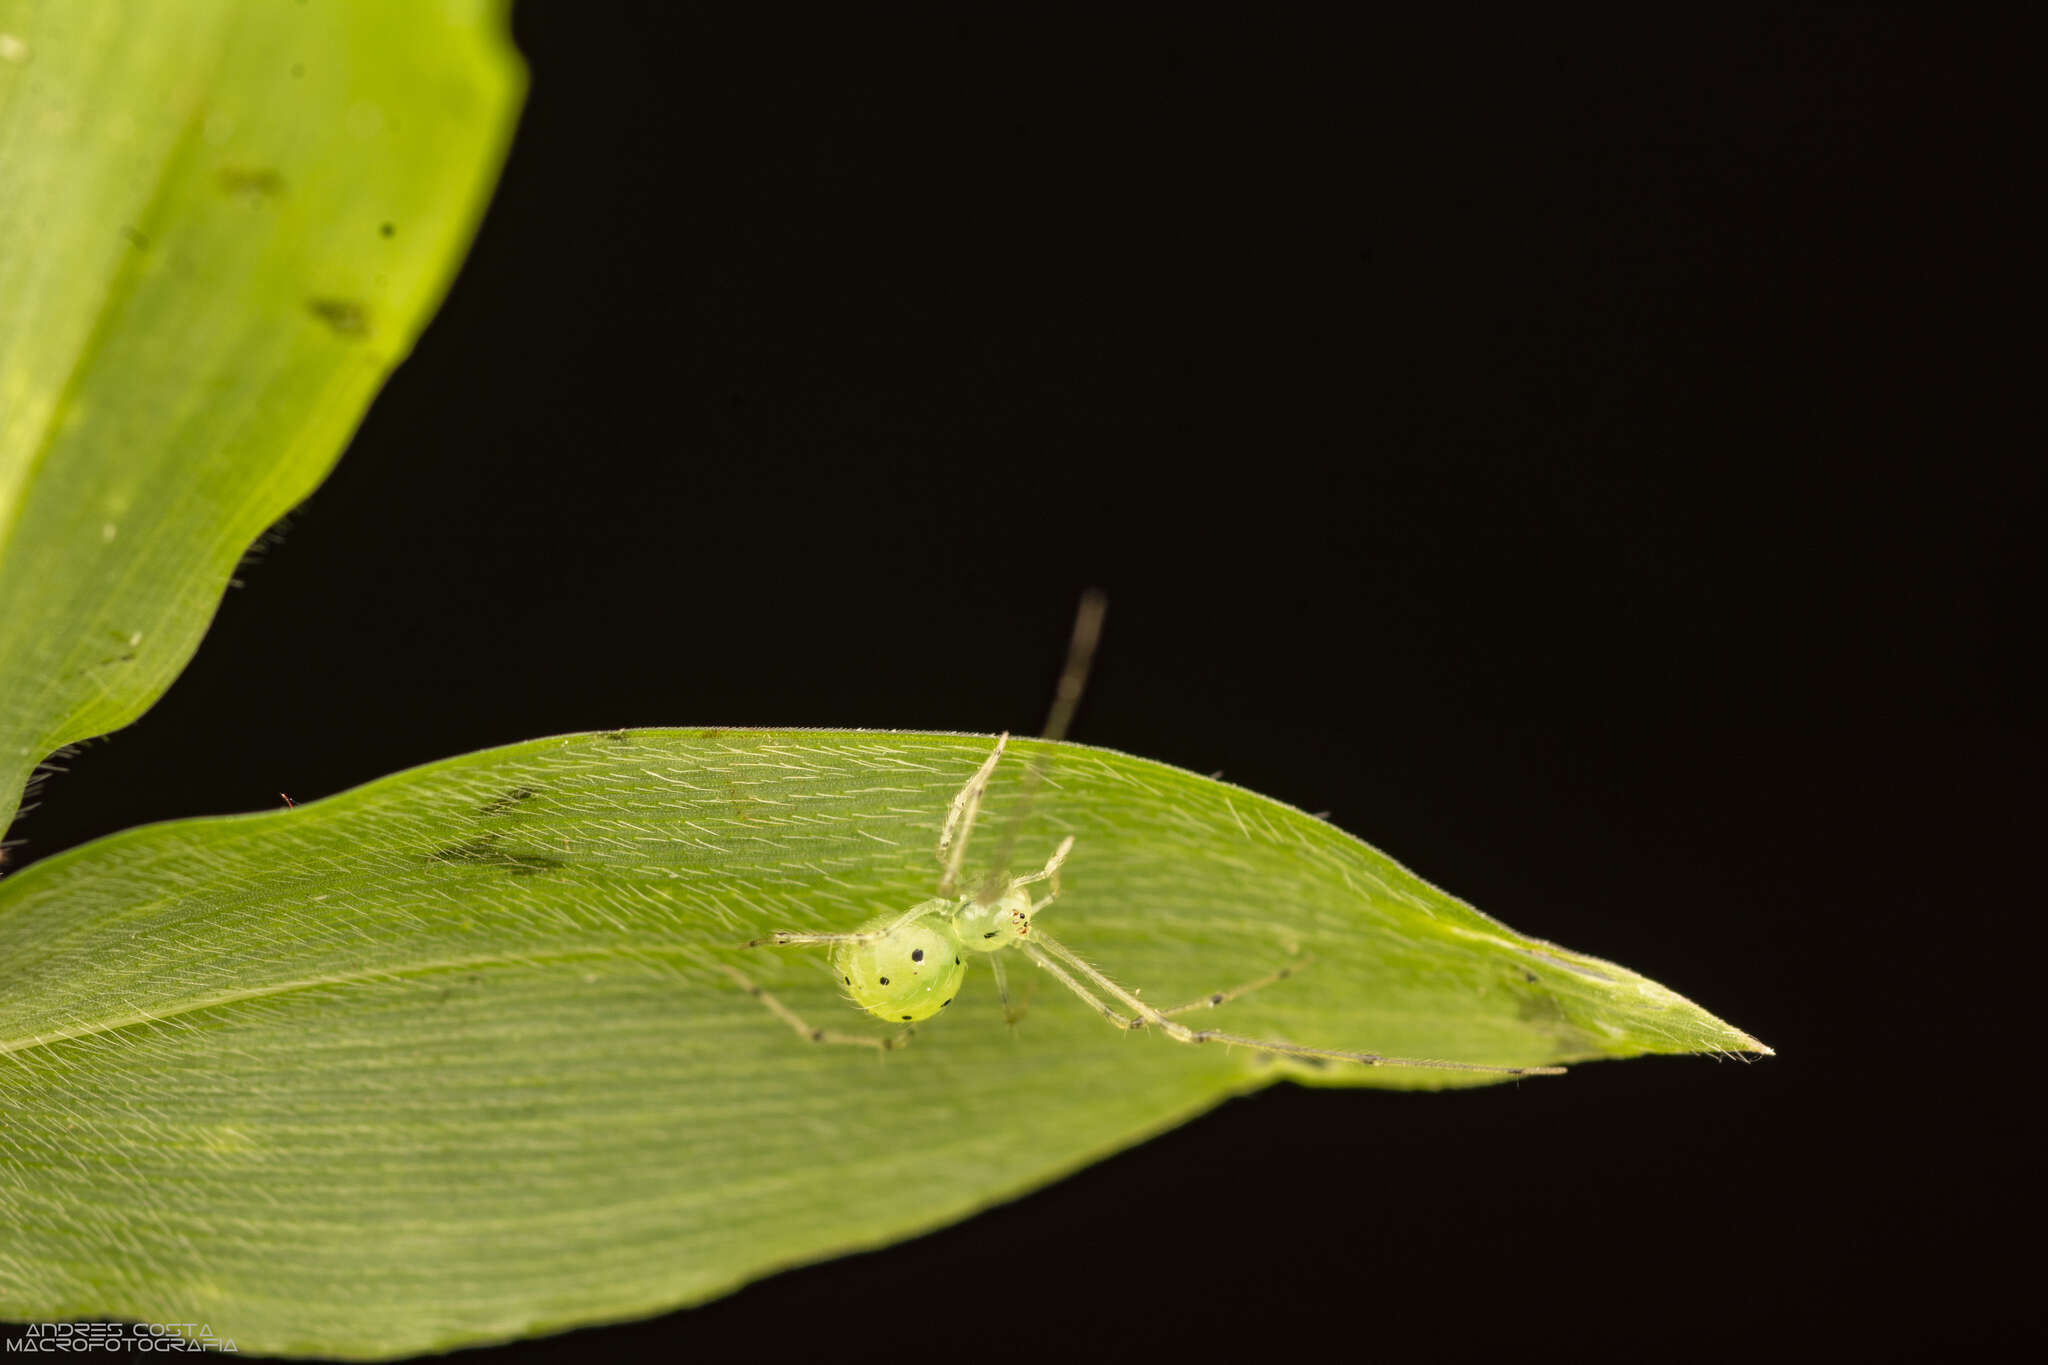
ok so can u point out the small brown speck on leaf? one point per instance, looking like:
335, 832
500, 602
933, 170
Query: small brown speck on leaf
261, 182
346, 316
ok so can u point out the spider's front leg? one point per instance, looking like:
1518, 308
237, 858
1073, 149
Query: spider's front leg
1070, 970
961, 815
1049, 873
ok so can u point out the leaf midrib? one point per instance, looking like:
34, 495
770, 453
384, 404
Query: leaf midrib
144, 1018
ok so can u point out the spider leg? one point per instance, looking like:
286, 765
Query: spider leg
1211, 1001
1049, 954
785, 938
960, 817
1080, 654
817, 1035
1061, 975
1050, 872
1011, 1013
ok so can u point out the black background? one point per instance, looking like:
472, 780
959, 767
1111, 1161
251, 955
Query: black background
1580, 454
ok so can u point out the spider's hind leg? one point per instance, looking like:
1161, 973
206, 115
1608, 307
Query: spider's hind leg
817, 1035
786, 938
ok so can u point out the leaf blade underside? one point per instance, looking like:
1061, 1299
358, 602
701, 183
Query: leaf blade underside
221, 226
453, 1057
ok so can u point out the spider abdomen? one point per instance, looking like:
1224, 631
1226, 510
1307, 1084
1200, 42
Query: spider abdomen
905, 976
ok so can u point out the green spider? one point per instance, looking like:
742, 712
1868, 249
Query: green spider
906, 967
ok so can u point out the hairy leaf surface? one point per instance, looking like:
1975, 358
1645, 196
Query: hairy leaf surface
221, 225
455, 1056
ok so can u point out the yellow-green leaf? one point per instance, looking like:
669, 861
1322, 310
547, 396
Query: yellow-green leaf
221, 225
457, 1056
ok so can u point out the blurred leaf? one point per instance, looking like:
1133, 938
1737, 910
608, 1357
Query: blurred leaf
221, 226
454, 1057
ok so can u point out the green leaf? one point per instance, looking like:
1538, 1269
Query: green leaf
455, 1056
221, 225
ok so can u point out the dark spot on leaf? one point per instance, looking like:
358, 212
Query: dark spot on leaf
917, 954
1528, 976
885, 981
847, 979
990, 934
346, 316
387, 229
906, 1018
947, 1001
498, 805
817, 1035
487, 852
1216, 999
260, 182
